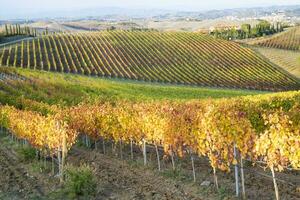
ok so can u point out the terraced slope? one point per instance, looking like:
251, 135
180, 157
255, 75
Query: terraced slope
288, 60
289, 40
171, 57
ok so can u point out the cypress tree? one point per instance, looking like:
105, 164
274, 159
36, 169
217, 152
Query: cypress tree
6, 30
10, 30
17, 30
13, 30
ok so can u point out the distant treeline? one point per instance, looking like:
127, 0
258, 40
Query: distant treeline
17, 29
111, 28
12, 30
263, 28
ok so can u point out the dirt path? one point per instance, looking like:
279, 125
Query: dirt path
15, 182
116, 179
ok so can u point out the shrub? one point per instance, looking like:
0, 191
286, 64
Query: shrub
27, 153
80, 181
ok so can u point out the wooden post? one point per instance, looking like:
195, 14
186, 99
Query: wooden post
121, 149
193, 166
45, 158
103, 146
59, 162
131, 149
216, 178
37, 154
87, 141
157, 155
172, 159
144, 152
63, 156
96, 148
52, 165
236, 173
243, 179
275, 184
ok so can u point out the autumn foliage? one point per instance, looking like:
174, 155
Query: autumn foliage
264, 127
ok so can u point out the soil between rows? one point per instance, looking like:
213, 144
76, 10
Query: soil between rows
126, 179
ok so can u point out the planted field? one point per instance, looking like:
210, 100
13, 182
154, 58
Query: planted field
188, 142
288, 60
69, 89
264, 130
289, 40
180, 58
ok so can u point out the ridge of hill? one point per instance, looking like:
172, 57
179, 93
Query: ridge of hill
288, 40
168, 57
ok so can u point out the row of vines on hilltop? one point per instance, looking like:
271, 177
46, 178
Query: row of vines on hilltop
290, 40
181, 58
265, 129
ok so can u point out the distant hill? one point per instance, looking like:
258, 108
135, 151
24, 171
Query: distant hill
168, 57
125, 14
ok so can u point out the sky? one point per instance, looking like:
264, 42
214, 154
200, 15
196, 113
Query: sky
11, 8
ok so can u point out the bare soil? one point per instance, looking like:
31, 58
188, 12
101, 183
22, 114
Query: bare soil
15, 181
126, 179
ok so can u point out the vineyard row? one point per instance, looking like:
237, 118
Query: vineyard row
182, 58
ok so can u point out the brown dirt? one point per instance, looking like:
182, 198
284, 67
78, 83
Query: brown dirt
129, 180
15, 181
125, 179
117, 179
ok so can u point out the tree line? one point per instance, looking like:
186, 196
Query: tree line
246, 31
12, 30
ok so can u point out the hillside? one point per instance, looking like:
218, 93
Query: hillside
289, 40
288, 60
170, 57
66, 89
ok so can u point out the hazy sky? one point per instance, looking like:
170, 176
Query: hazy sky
16, 7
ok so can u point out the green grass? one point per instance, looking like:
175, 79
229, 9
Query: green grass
69, 89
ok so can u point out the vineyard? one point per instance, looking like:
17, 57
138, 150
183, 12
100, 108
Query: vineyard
288, 60
17, 85
263, 129
170, 57
289, 40
131, 111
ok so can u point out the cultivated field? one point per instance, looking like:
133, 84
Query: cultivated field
170, 57
126, 118
164, 147
288, 60
289, 40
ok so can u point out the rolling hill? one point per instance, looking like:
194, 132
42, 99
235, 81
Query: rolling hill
288, 40
287, 59
69, 89
169, 57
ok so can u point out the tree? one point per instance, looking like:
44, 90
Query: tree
6, 30
263, 27
246, 28
10, 30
